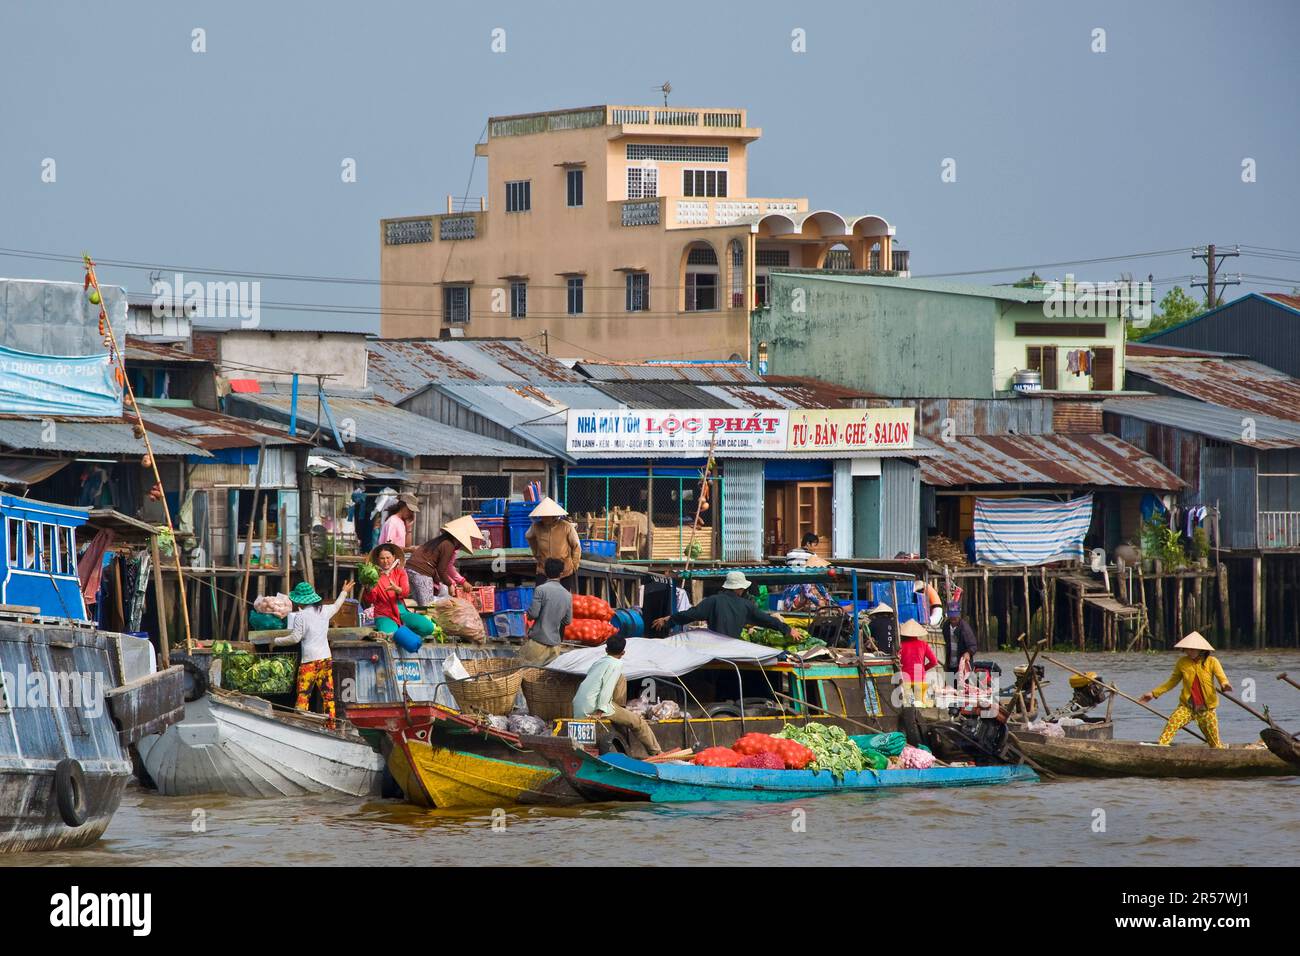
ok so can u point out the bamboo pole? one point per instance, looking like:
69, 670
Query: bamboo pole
106, 329
308, 561
284, 549
240, 622
1029, 616
160, 602
261, 550
987, 610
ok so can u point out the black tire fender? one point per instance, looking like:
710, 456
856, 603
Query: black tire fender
70, 791
196, 684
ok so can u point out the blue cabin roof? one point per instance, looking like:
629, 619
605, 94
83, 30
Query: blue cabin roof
38, 556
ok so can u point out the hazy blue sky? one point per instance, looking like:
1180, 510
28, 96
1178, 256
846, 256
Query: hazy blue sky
231, 158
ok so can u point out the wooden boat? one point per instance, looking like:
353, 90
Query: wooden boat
1282, 745
449, 760
240, 745
615, 776
1130, 758
73, 699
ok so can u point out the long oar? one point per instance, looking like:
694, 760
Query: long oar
1120, 693
1283, 676
1250, 710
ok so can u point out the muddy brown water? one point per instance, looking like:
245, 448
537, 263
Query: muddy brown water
1065, 821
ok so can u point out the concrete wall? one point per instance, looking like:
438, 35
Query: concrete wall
337, 353
886, 341
1011, 350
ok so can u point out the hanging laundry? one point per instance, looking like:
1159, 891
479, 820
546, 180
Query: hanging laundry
1072, 361
1151, 505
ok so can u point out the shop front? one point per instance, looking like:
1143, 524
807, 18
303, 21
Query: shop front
644, 485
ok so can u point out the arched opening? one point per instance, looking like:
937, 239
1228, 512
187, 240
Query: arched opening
701, 278
838, 258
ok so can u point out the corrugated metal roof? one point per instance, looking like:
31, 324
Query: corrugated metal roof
1004, 292
1290, 301
211, 430
326, 459
1212, 420
714, 373
401, 367
144, 352
534, 413
109, 436
380, 425
1233, 383
825, 394
655, 394
1154, 350
1098, 460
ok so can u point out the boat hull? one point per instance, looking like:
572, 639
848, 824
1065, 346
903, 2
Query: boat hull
443, 759
29, 810
237, 745
618, 777
1129, 758
1281, 745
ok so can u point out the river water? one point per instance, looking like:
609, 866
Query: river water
1063, 821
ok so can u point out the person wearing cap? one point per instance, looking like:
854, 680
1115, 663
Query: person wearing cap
1196, 670
959, 642
388, 595
434, 562
551, 612
309, 625
397, 526
552, 535
883, 624
728, 612
932, 601
915, 659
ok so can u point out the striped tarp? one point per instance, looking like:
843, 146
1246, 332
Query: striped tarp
1030, 530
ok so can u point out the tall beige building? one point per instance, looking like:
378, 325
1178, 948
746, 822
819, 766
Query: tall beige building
616, 232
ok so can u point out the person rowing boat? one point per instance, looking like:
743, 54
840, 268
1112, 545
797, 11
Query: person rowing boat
1197, 671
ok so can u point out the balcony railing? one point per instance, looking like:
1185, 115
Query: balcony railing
898, 260
1279, 529
672, 116
641, 212
723, 212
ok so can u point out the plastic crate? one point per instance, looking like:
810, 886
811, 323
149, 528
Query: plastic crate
598, 547
490, 625
493, 508
509, 623
483, 598
520, 599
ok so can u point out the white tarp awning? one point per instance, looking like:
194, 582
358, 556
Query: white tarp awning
673, 656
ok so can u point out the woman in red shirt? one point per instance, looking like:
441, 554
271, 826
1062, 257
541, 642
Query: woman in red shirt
915, 660
389, 594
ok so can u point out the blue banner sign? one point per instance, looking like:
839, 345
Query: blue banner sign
40, 385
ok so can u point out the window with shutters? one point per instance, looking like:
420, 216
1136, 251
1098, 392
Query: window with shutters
575, 290
1042, 359
575, 187
1103, 370
519, 195
704, 182
518, 300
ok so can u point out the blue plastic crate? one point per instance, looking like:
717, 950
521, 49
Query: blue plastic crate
598, 547
490, 624
509, 623
518, 535
521, 599
494, 507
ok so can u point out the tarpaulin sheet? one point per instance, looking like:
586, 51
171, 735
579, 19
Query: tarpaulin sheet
1030, 531
51, 385
648, 657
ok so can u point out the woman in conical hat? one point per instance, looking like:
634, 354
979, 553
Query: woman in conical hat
916, 660
553, 536
434, 562
1196, 670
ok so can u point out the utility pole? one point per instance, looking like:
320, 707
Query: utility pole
1213, 260
546, 341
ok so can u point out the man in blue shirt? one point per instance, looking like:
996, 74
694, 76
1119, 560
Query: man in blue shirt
595, 696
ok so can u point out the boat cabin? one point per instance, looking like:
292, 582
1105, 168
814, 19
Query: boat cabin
38, 556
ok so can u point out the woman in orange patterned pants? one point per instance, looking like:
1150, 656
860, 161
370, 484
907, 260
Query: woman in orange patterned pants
317, 674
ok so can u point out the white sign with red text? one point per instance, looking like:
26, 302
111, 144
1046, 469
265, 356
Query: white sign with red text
660, 431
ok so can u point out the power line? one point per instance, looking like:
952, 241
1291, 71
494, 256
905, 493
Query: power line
1051, 265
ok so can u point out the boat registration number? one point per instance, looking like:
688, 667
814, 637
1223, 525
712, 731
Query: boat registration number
583, 732
409, 672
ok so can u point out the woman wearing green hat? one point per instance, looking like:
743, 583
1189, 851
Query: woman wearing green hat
309, 626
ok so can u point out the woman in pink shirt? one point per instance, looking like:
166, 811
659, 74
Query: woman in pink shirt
915, 659
397, 525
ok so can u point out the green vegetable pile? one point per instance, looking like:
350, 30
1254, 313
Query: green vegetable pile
368, 574
832, 748
256, 674
771, 637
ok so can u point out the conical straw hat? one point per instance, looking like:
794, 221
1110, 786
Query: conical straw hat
465, 530
910, 628
548, 508
1194, 642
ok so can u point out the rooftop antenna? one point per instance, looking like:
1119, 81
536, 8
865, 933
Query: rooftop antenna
665, 90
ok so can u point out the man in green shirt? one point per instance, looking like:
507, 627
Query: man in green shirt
595, 696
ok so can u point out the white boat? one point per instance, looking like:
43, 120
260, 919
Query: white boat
240, 745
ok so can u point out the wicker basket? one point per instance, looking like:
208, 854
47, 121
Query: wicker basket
491, 687
550, 693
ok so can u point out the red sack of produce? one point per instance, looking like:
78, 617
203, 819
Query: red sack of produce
795, 755
589, 607
751, 744
717, 757
763, 761
587, 631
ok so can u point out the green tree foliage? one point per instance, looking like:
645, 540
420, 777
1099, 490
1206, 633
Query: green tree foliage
1177, 306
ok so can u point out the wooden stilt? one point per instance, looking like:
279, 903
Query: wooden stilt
284, 550
1257, 591
1029, 615
1180, 627
308, 561
1081, 637
1160, 605
1225, 617
988, 617
261, 553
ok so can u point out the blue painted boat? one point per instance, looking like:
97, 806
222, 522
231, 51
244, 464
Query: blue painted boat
616, 776
38, 557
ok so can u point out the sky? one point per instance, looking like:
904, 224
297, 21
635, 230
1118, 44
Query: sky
1067, 143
